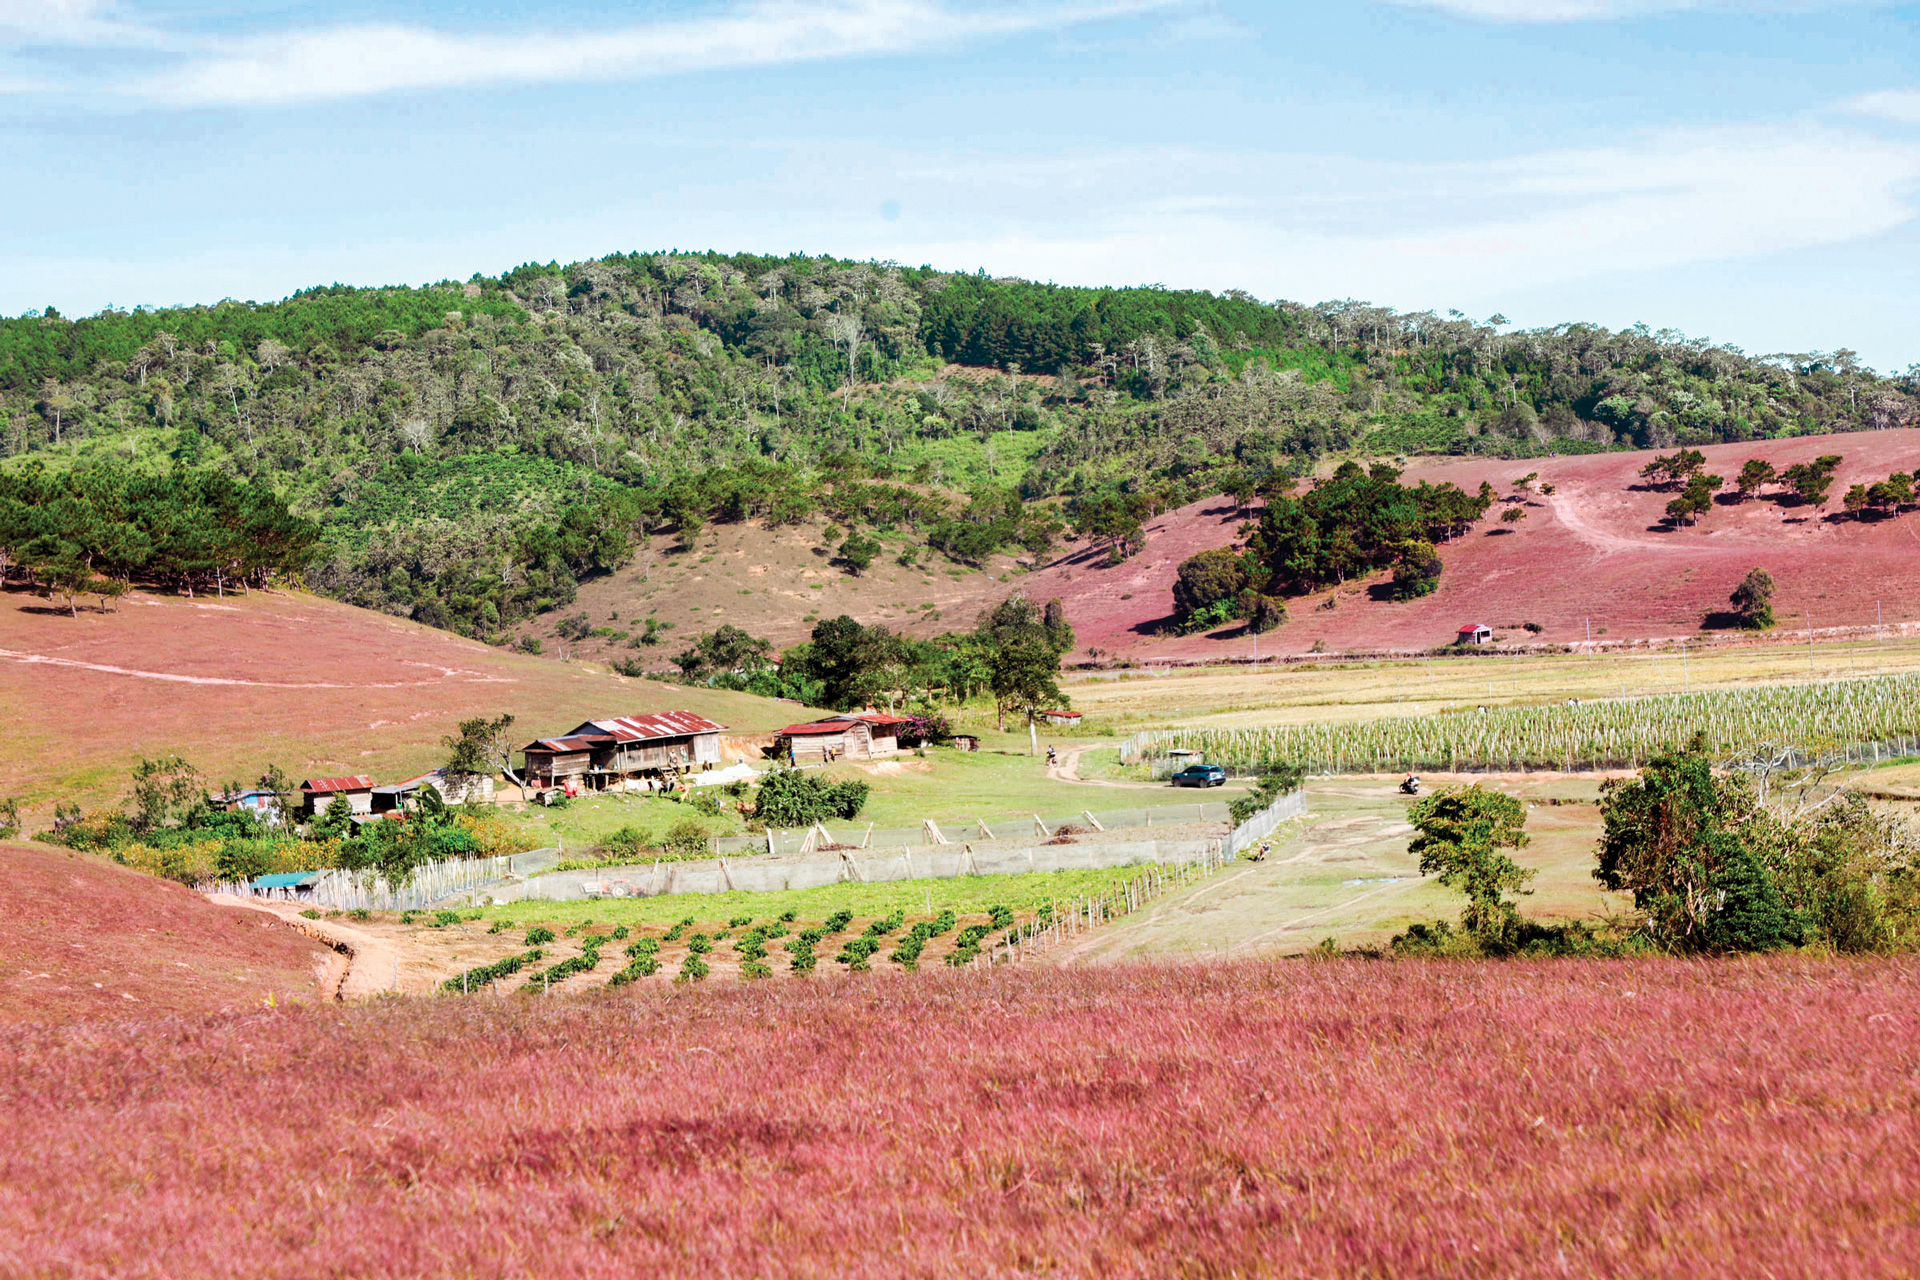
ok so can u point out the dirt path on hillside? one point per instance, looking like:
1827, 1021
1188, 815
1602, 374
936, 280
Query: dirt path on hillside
446, 674
1067, 769
363, 965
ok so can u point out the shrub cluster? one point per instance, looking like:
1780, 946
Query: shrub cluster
474, 979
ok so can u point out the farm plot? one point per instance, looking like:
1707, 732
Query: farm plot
1619, 734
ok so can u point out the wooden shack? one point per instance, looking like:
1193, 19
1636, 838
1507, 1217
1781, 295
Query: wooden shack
844, 738
619, 753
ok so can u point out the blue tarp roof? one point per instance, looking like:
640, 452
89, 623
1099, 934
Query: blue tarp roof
286, 880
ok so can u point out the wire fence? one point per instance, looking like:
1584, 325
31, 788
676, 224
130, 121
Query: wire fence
1002, 827
428, 885
1060, 923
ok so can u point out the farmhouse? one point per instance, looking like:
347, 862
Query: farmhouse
614, 754
839, 737
1065, 719
317, 793
1476, 633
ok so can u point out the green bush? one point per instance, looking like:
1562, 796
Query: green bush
754, 970
693, 969
474, 979
791, 798
539, 934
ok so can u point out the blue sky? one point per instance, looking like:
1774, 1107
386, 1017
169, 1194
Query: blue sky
1745, 171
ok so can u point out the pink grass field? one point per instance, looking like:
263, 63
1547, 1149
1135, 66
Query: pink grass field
1340, 1119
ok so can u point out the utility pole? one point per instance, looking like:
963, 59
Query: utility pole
1589, 637
1811, 670
1686, 681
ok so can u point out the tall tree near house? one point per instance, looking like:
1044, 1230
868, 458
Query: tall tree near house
479, 749
164, 790
1023, 659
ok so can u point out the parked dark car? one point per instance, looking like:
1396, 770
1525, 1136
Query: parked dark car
1201, 775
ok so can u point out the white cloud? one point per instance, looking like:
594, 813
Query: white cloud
1316, 227
1899, 105
1603, 10
305, 66
68, 22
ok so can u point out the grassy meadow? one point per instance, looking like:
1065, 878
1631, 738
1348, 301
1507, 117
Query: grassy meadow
1713, 1119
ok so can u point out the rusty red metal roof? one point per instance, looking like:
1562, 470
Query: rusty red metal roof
571, 743
875, 717
1475, 626
327, 786
658, 724
819, 728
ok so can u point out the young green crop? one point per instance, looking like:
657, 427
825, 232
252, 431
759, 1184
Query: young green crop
1622, 733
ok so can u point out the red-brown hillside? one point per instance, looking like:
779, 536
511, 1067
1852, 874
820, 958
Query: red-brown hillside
1595, 550
310, 684
81, 938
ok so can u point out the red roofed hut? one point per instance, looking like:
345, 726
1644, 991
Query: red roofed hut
1476, 633
317, 793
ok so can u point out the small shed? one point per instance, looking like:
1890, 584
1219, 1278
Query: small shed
965, 742
1476, 633
1064, 719
317, 793
289, 884
885, 731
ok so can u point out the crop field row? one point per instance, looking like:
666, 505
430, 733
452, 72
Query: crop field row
1574, 735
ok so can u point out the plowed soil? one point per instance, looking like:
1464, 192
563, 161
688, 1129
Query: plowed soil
82, 939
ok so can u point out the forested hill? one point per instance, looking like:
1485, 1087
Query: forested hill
470, 450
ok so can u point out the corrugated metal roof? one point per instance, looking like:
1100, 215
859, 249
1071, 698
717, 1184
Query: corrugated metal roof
817, 729
659, 724
325, 786
570, 744
874, 717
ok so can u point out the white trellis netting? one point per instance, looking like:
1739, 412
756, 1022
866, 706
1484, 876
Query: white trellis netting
1863, 720
369, 890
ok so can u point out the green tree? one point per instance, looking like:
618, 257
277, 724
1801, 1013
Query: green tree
1752, 600
1755, 475
1207, 579
1461, 833
165, 790
858, 552
1417, 572
1023, 658
1688, 844
479, 749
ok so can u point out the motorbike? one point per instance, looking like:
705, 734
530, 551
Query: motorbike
1411, 787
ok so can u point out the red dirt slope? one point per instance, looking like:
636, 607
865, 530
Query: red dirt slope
83, 939
314, 686
1594, 550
